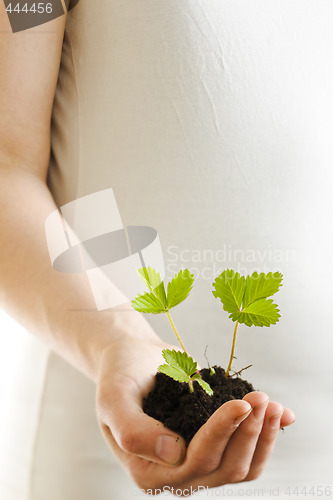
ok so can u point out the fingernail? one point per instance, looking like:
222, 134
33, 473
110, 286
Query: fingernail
169, 449
287, 425
275, 420
240, 419
259, 411
292, 416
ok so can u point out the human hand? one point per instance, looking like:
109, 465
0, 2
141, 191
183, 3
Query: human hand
234, 444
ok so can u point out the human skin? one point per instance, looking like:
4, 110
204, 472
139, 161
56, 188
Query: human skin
118, 350
232, 446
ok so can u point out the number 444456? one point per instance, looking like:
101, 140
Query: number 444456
314, 491
35, 8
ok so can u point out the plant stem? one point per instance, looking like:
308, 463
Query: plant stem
232, 351
240, 371
177, 335
190, 383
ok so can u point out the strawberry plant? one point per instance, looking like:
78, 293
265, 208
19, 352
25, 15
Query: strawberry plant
179, 365
246, 300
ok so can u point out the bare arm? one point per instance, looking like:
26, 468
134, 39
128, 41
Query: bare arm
43, 300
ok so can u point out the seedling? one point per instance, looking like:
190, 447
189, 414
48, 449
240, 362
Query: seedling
246, 299
179, 365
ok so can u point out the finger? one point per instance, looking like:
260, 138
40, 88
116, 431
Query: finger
120, 412
145, 473
267, 439
207, 446
238, 455
232, 449
288, 417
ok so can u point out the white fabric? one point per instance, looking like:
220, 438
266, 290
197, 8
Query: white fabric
53, 447
212, 122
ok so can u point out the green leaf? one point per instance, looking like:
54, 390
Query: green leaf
175, 373
150, 277
180, 360
179, 288
260, 286
154, 283
182, 368
179, 365
229, 288
261, 312
148, 303
206, 387
246, 299
177, 291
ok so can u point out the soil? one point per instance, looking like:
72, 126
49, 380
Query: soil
185, 412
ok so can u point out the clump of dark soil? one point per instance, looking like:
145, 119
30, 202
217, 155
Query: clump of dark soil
185, 412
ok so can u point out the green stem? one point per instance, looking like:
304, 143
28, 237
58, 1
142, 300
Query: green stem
232, 351
190, 383
177, 335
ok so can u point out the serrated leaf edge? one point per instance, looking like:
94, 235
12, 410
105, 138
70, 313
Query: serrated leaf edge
243, 310
183, 273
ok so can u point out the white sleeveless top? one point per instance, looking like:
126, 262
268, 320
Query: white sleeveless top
212, 121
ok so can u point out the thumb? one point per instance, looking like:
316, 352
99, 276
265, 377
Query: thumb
127, 427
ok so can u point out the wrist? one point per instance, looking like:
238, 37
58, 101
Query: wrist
89, 333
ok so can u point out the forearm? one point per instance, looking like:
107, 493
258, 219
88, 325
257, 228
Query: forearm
56, 307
